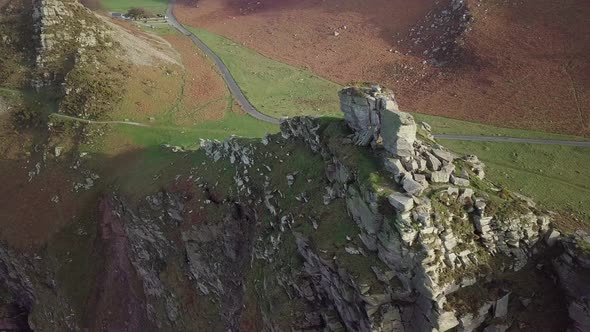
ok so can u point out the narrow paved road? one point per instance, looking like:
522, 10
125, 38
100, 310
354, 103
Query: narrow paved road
247, 106
229, 79
513, 140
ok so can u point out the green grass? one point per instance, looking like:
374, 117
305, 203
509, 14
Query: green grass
120, 6
232, 124
274, 88
558, 177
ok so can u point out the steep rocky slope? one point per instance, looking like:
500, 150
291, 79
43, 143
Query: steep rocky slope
362, 224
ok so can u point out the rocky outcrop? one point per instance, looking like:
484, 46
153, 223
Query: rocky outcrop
573, 270
117, 283
441, 232
306, 231
14, 276
372, 112
63, 31
336, 285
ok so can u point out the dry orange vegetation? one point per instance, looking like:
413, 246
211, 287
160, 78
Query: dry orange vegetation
205, 95
523, 63
181, 88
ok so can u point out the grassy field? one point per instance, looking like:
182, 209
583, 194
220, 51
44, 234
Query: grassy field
120, 6
558, 177
274, 88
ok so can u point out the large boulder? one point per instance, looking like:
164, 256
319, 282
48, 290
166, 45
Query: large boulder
398, 131
371, 111
361, 106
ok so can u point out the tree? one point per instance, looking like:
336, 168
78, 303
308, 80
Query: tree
138, 13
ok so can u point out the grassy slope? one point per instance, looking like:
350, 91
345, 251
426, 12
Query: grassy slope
556, 176
153, 6
272, 87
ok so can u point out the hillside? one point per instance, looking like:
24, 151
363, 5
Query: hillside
517, 64
137, 194
329, 224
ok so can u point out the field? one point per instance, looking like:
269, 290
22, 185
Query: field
557, 177
272, 87
520, 64
153, 6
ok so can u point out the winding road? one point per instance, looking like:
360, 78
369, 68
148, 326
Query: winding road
229, 79
500, 139
247, 106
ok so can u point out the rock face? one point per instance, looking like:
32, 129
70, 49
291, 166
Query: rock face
429, 210
64, 31
398, 132
573, 270
371, 112
361, 108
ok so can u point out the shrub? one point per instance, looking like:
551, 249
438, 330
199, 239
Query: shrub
138, 13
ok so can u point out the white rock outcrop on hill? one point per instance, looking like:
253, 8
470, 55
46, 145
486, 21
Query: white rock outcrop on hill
372, 112
63, 29
443, 232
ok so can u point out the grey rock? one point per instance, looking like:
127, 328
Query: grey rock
412, 187
398, 132
442, 176
401, 202
395, 167
459, 181
501, 306
432, 162
552, 237
443, 154
447, 320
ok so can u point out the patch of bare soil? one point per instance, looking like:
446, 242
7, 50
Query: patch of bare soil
141, 48
507, 63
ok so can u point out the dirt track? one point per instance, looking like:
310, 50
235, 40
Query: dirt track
523, 64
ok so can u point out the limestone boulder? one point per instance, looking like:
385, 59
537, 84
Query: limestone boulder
398, 132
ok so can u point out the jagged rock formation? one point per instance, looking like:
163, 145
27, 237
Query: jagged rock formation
368, 110
443, 233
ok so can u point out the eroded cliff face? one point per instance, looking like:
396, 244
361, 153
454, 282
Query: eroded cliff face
365, 224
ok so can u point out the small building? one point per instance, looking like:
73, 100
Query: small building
119, 16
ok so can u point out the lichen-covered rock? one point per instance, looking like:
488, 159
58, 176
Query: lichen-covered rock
398, 132
64, 30
372, 112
